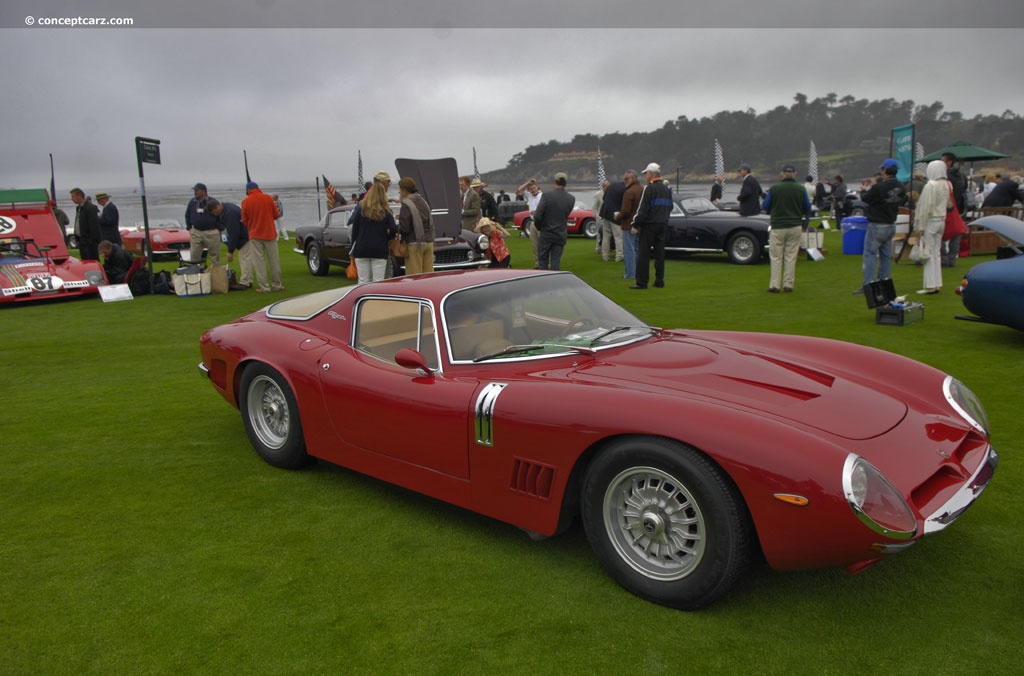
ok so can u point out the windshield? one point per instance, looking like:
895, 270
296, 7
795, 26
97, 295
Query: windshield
534, 317
13, 248
698, 205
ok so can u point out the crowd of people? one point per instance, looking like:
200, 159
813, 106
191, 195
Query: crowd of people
632, 216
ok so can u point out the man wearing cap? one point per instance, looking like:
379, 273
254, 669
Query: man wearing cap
884, 199
788, 205
470, 201
109, 219
203, 227
488, 205
87, 225
649, 225
552, 222
259, 213
750, 193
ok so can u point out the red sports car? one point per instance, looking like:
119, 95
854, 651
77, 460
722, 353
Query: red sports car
581, 221
168, 237
529, 397
34, 259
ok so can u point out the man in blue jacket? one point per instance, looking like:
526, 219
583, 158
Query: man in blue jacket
229, 218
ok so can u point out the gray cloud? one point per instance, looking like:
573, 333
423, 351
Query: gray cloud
303, 101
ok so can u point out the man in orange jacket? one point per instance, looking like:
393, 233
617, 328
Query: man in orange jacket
259, 213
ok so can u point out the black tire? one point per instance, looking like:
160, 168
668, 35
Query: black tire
318, 265
743, 248
72, 241
271, 417
590, 228
665, 522
527, 226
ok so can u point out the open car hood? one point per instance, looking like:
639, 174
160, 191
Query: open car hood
1006, 226
772, 385
438, 182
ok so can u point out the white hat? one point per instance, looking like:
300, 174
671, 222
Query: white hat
653, 167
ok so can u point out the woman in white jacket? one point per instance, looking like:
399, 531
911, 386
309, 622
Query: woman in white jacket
930, 223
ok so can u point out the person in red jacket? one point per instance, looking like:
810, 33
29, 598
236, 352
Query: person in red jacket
259, 213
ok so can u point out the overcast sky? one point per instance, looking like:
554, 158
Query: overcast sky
303, 101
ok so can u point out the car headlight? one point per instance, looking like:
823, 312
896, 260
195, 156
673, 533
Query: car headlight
966, 403
482, 242
94, 277
875, 501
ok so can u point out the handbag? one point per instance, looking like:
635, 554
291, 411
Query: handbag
192, 283
917, 253
955, 226
220, 279
351, 271
398, 248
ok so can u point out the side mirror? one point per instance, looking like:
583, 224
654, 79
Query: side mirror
411, 359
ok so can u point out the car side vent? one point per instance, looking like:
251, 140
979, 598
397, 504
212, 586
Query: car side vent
532, 478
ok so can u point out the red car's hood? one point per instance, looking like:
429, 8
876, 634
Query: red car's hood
774, 385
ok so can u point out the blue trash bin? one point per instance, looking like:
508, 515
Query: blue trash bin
854, 230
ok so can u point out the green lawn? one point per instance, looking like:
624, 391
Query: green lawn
141, 534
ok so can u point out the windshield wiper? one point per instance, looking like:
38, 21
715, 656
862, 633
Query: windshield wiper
519, 349
616, 329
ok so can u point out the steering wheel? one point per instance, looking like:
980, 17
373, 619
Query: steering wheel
576, 324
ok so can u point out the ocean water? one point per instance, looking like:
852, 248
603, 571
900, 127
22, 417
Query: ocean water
302, 204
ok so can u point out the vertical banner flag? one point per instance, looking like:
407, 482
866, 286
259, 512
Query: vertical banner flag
719, 162
245, 157
903, 150
332, 195
360, 171
919, 166
476, 172
812, 162
601, 177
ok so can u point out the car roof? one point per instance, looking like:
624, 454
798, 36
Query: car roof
439, 284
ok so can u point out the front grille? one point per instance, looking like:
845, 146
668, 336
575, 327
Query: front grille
452, 256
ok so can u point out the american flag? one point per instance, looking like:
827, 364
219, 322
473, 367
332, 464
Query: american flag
332, 197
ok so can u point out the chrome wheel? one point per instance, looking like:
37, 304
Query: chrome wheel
654, 523
743, 248
268, 411
665, 521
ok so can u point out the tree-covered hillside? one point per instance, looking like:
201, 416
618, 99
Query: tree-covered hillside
850, 135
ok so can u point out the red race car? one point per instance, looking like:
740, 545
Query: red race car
529, 397
581, 221
34, 259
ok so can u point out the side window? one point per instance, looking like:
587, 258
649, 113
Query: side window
383, 327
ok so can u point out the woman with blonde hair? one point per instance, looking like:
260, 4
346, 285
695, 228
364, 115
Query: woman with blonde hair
930, 223
373, 225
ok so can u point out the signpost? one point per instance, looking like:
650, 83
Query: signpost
146, 150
